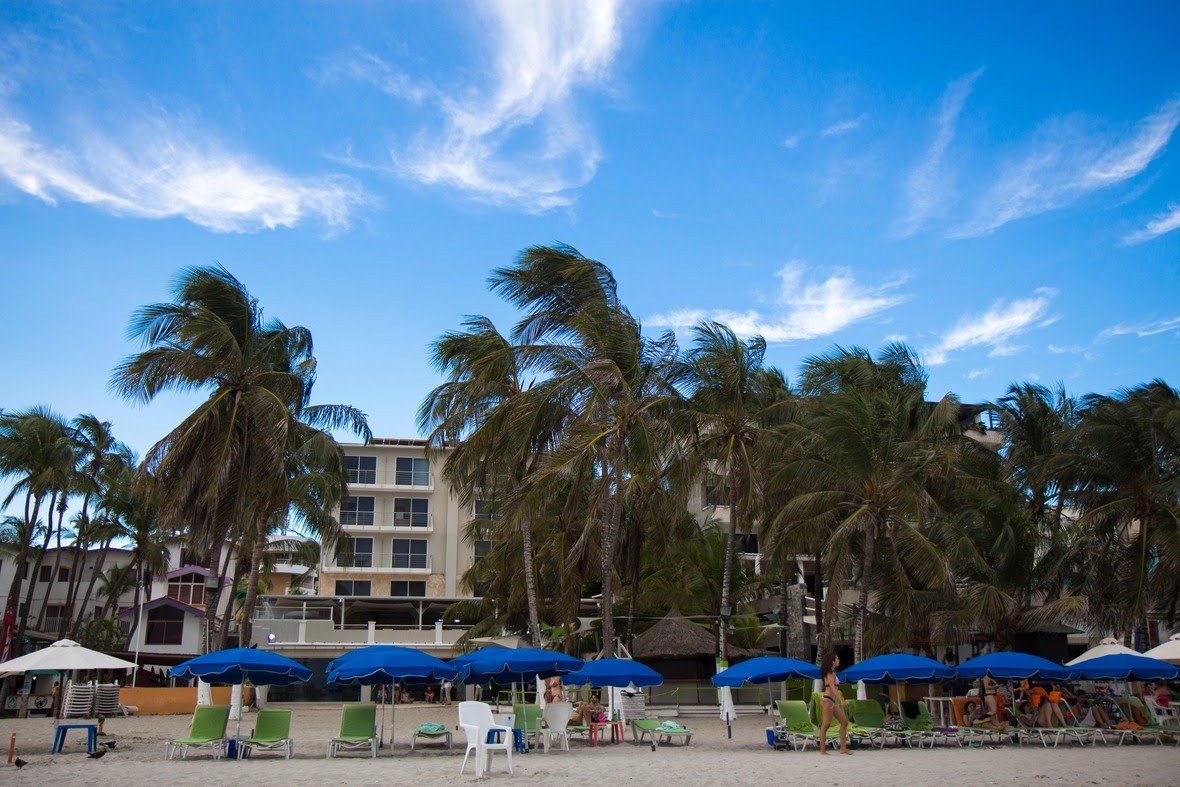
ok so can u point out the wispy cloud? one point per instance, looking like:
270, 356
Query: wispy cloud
929, 189
364, 66
516, 140
1160, 225
1142, 330
975, 374
664, 214
162, 168
1063, 163
805, 306
844, 126
995, 328
792, 142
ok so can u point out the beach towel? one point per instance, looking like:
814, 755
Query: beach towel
432, 726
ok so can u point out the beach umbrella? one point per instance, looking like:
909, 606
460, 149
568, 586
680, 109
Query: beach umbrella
237, 665
1012, 665
385, 665
513, 665
1168, 651
1108, 646
614, 673
63, 656
1122, 666
896, 668
765, 669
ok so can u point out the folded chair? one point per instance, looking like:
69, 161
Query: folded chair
106, 701
79, 702
358, 730
478, 724
272, 732
206, 732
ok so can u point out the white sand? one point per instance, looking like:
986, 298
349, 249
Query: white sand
711, 759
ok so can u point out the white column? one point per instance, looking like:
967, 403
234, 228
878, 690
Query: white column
372, 632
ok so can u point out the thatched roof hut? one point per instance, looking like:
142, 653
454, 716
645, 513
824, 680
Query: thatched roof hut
675, 637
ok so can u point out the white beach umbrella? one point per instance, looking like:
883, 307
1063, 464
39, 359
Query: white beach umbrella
63, 656
1168, 651
1108, 646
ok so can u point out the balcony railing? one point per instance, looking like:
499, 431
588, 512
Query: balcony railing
413, 564
393, 520
407, 479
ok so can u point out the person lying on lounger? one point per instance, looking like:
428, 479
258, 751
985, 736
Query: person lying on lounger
1090, 714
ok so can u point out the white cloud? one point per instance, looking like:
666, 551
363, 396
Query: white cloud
975, 374
929, 189
995, 328
792, 142
1063, 164
1142, 330
803, 308
843, 126
518, 139
664, 214
1160, 225
364, 66
160, 169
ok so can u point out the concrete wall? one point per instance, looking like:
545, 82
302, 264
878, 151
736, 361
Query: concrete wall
171, 702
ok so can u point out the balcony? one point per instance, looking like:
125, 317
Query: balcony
393, 480
389, 522
385, 563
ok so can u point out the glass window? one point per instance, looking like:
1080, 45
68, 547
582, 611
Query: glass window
482, 548
401, 587
354, 553
412, 472
361, 469
409, 553
714, 496
165, 626
486, 509
188, 589
357, 511
45, 573
411, 512
353, 587
63, 574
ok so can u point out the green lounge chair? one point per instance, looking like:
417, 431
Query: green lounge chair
272, 732
660, 731
1152, 729
527, 719
431, 731
798, 725
869, 721
358, 730
207, 731
921, 725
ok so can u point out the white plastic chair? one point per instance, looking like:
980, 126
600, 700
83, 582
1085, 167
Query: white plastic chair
1166, 716
554, 721
476, 720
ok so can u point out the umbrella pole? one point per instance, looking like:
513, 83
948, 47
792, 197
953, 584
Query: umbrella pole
381, 737
392, 724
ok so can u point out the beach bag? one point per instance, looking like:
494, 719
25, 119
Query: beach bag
1128, 725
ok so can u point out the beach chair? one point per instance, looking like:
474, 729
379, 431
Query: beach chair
79, 702
433, 731
1165, 717
527, 720
798, 725
272, 732
1152, 730
553, 724
660, 731
358, 729
207, 731
480, 728
866, 717
920, 724
106, 701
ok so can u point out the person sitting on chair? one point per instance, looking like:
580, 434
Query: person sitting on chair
587, 712
1090, 714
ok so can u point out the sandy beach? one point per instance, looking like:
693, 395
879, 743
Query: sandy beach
711, 759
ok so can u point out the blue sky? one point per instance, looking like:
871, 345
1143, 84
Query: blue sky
998, 186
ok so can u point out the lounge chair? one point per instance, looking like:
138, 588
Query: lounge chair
207, 731
272, 732
478, 724
358, 729
107, 703
867, 718
798, 726
660, 731
553, 724
527, 718
921, 724
431, 731
1150, 730
854, 731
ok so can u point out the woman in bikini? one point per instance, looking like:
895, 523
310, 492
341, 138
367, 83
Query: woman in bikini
833, 704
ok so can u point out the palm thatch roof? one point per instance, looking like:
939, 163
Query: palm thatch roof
675, 637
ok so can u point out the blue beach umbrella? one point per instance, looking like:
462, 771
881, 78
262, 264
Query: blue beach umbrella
385, 665
896, 668
614, 672
507, 665
1123, 666
1011, 665
765, 669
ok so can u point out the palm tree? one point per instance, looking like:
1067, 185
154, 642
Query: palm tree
223, 471
871, 452
119, 501
722, 373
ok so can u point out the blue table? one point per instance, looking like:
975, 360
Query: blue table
59, 738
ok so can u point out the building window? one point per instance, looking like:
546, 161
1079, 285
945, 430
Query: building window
55, 618
63, 574
361, 469
747, 543
411, 512
45, 573
714, 497
409, 553
355, 553
165, 626
401, 587
188, 588
412, 472
357, 511
486, 509
482, 548
353, 587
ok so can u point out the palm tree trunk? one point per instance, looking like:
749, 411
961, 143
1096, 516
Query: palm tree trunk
94, 574
609, 543
784, 609
23, 622
228, 619
23, 557
530, 582
863, 605
820, 639
246, 628
81, 547
52, 579
135, 620
727, 570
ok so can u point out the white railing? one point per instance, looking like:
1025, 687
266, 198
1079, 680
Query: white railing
414, 564
392, 520
407, 479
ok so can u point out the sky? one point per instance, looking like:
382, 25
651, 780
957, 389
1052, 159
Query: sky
997, 185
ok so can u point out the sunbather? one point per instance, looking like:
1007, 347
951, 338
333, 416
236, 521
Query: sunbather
1090, 714
833, 704
587, 712
974, 715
